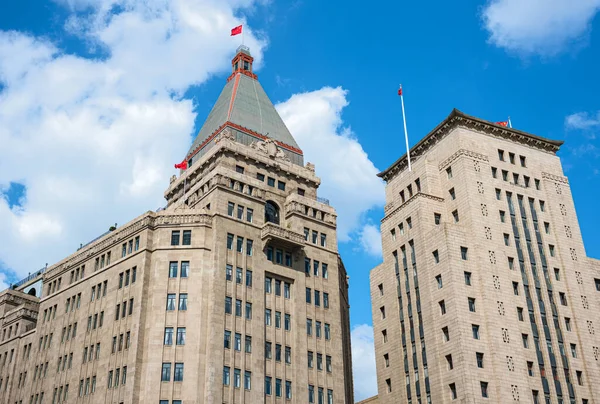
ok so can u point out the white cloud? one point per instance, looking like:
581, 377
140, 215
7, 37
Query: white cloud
544, 27
583, 120
349, 178
94, 139
363, 362
370, 240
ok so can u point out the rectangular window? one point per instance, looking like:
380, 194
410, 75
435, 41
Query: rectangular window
323, 240
278, 352
442, 307
281, 185
308, 327
277, 319
449, 172
238, 308
247, 380
326, 300
317, 298
268, 387
436, 257
468, 278
310, 359
484, 389
227, 339
525, 339
475, 329
479, 358
187, 237
452, 194
287, 322
237, 342
288, 390
248, 311
229, 241
574, 350
165, 374
226, 376
173, 266
178, 375
240, 212
268, 284
277, 287
278, 256
248, 278
227, 305
238, 275
175, 237
307, 266
520, 314
308, 295
248, 344
230, 208
318, 329
168, 340
180, 335
498, 194
270, 181
516, 288
449, 362
288, 355
286, 290
568, 323
446, 334
268, 354
240, 244
315, 234
315, 268
267, 316
311, 394
464, 253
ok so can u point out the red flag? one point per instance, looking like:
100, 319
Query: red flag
182, 165
236, 31
400, 91
503, 123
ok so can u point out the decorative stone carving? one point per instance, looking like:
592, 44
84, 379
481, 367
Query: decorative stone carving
270, 148
225, 135
173, 178
310, 167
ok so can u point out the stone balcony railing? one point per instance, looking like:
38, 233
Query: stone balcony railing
272, 231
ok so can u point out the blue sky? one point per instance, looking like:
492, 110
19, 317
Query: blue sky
99, 98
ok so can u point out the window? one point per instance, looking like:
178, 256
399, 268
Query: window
452, 391
270, 181
479, 357
281, 185
452, 193
384, 335
442, 307
494, 172
175, 237
501, 155
498, 194
315, 234
579, 377
268, 354
229, 241
522, 160
180, 335
247, 380
248, 278
504, 175
526, 179
183, 301
436, 258
326, 300
530, 368
240, 244
327, 332
484, 389
237, 342
471, 304
449, 172
316, 268
449, 362
511, 263
308, 295
249, 248
475, 329
409, 222
437, 218
547, 227
288, 355
324, 270
308, 326
537, 186
172, 270
277, 319
502, 216
226, 376
227, 305
170, 302
520, 313
516, 288
568, 323
439, 281
287, 322
542, 204
317, 298
455, 216
260, 177
525, 339
401, 228
178, 375
382, 310
278, 352
311, 393
446, 334
563, 298
468, 278
310, 359
511, 157
168, 336
164, 377
267, 316
574, 350
506, 239
463, 253
323, 240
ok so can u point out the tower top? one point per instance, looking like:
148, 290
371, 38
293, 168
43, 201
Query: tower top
242, 63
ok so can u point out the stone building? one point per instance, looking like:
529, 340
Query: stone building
485, 293
234, 293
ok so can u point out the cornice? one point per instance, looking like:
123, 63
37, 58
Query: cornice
460, 153
459, 119
555, 178
391, 209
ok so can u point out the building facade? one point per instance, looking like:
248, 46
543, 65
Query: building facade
485, 293
234, 293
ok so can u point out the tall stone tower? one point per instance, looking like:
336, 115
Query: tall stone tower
234, 293
485, 293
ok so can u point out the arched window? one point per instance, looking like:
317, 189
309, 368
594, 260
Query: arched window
271, 212
32, 292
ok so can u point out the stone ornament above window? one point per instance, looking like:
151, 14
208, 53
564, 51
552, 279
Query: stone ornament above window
270, 148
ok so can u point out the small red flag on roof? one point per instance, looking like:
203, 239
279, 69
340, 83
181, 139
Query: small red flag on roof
236, 31
400, 91
182, 165
503, 123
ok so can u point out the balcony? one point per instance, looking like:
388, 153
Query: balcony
284, 237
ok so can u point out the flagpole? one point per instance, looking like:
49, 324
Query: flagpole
509, 123
405, 131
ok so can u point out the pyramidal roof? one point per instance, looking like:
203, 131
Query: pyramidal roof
245, 108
